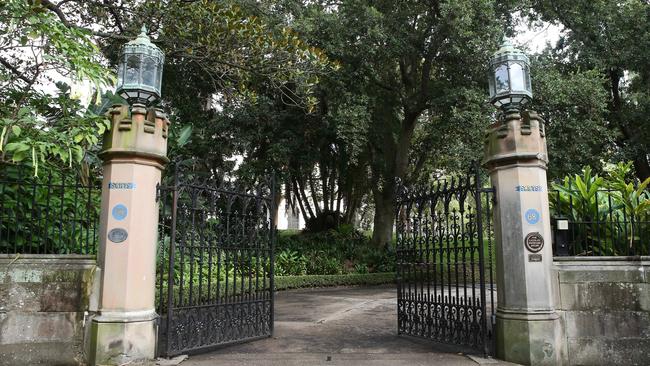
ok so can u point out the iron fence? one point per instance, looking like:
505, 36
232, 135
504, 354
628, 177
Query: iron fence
57, 213
445, 263
600, 224
215, 263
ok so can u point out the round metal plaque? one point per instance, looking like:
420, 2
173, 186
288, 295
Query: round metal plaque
534, 242
117, 235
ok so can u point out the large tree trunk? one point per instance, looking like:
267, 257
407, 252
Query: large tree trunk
382, 232
642, 168
384, 193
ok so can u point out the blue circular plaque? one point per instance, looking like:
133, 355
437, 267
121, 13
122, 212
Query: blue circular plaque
532, 216
119, 212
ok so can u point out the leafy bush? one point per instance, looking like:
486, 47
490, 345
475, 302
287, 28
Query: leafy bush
344, 250
361, 268
325, 220
291, 282
54, 214
608, 215
290, 263
323, 264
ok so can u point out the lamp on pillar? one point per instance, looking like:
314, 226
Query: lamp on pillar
139, 75
528, 328
134, 153
509, 78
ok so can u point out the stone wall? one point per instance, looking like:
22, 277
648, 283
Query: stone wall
605, 303
43, 303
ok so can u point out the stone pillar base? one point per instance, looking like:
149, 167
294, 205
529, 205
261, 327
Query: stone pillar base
530, 338
123, 338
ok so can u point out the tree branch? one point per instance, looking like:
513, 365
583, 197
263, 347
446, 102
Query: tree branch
15, 70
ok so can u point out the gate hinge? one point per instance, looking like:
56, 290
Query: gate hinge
158, 192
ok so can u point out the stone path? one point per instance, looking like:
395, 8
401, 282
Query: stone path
337, 326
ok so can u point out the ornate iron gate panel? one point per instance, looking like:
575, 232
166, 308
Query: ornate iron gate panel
445, 262
215, 265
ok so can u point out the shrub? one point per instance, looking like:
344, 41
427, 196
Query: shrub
290, 263
608, 215
325, 220
57, 213
361, 268
291, 282
337, 251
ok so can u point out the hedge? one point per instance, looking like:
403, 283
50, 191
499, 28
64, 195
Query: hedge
291, 282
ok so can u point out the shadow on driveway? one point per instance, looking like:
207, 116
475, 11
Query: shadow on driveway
336, 326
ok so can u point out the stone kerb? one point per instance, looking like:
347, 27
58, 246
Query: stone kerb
44, 300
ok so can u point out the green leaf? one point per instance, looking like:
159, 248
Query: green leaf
16, 130
185, 135
16, 147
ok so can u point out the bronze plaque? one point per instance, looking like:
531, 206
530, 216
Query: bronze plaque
534, 242
117, 235
534, 257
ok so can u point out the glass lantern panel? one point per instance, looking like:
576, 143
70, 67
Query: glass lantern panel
528, 87
132, 70
517, 77
491, 85
501, 78
159, 76
120, 74
149, 71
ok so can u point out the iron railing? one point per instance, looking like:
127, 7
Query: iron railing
445, 263
57, 213
215, 263
599, 226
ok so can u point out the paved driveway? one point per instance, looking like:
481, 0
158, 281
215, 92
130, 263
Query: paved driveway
336, 326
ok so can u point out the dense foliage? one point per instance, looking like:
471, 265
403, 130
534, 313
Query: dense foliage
41, 123
608, 215
611, 38
55, 213
330, 252
338, 99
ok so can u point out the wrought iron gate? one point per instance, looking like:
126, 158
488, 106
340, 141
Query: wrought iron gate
215, 264
445, 262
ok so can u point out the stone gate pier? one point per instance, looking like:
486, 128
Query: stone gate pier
529, 329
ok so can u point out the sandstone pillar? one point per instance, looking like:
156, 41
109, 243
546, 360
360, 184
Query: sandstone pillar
134, 155
529, 330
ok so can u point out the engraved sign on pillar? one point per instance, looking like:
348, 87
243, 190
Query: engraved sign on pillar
534, 242
117, 235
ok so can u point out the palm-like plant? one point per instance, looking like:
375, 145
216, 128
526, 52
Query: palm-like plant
581, 200
634, 200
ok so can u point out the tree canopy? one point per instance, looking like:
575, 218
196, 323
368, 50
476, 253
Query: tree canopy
339, 99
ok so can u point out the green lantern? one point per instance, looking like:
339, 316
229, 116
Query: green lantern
139, 76
509, 78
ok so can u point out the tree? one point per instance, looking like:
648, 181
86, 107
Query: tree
573, 104
404, 59
40, 125
612, 37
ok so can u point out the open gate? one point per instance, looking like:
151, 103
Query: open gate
215, 264
445, 262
